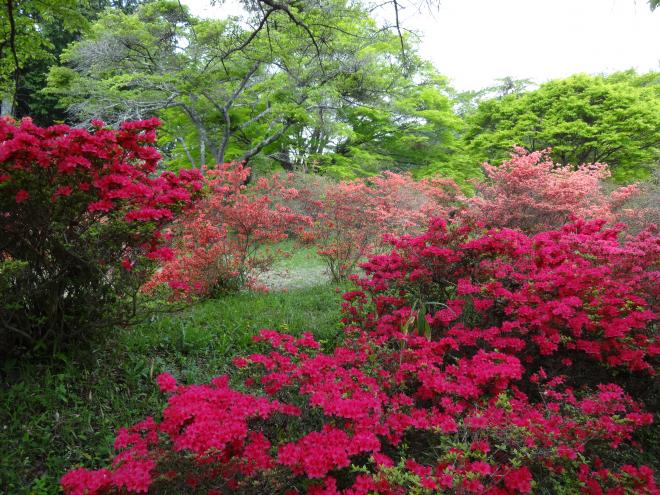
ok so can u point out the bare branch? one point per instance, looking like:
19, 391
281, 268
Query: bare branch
251, 37
256, 118
398, 28
265, 142
284, 8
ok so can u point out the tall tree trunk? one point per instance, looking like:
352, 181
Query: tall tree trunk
202, 146
226, 134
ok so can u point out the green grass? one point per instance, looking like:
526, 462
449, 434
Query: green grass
299, 256
63, 411
302, 268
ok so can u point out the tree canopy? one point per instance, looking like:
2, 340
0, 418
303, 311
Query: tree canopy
313, 86
34, 33
613, 119
325, 89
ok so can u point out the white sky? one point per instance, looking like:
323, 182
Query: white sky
474, 42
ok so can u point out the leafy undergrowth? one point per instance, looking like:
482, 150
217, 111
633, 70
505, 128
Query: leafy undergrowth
63, 411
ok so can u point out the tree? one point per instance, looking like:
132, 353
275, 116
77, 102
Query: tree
161, 59
25, 34
411, 126
389, 11
235, 98
613, 119
375, 118
316, 88
35, 33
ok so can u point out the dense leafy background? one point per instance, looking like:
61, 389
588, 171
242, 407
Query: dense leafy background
325, 88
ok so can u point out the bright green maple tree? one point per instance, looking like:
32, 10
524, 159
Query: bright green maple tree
612, 119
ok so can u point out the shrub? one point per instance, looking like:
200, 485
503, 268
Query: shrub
405, 205
531, 193
643, 208
346, 226
350, 217
222, 244
81, 218
465, 399
557, 298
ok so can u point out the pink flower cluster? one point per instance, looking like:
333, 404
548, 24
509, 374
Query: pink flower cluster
531, 193
223, 243
473, 362
102, 175
576, 292
220, 245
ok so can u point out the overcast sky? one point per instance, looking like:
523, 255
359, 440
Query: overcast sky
474, 42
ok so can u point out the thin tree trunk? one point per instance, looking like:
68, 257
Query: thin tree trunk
226, 134
186, 150
202, 147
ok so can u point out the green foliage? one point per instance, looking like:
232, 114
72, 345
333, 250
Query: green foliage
29, 40
42, 29
328, 93
411, 126
613, 119
57, 410
324, 89
221, 97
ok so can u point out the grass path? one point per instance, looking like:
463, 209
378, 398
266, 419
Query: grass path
303, 268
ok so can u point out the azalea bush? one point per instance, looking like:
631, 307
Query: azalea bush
576, 293
643, 208
460, 372
405, 205
531, 193
229, 238
82, 212
345, 226
350, 217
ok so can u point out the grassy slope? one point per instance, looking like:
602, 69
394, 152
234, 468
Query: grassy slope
63, 411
